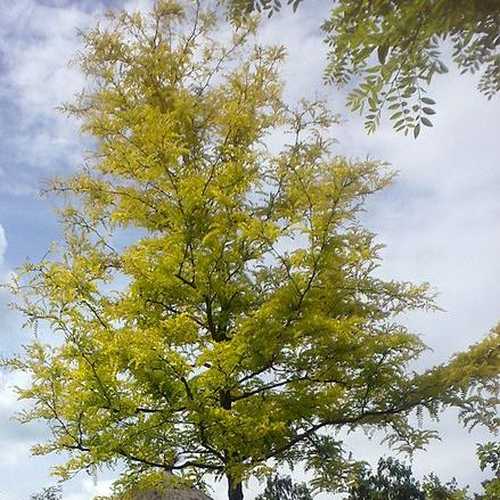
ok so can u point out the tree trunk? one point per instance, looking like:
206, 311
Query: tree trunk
235, 490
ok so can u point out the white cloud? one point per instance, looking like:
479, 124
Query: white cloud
36, 43
88, 488
3, 244
4, 273
16, 440
440, 219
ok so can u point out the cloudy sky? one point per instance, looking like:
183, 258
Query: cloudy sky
439, 220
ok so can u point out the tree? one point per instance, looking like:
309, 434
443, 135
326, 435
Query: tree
282, 488
391, 49
50, 493
394, 480
489, 457
213, 306
391, 480
434, 489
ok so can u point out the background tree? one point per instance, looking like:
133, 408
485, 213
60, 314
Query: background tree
50, 493
391, 480
391, 50
283, 488
489, 458
394, 480
214, 303
434, 489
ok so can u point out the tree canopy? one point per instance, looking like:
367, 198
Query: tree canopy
390, 50
50, 493
283, 488
394, 480
390, 480
214, 306
489, 458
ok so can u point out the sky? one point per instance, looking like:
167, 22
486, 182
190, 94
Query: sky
439, 220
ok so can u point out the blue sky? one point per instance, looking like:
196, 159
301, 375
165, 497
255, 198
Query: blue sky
440, 219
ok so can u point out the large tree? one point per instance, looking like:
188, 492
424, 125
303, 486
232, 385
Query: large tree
392, 49
213, 307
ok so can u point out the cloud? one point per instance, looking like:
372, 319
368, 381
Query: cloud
89, 489
3, 245
36, 42
4, 277
16, 439
16, 442
440, 218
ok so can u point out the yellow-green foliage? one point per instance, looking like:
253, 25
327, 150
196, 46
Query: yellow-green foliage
214, 304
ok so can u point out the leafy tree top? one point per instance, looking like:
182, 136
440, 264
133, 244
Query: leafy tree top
489, 458
283, 488
393, 480
50, 493
214, 302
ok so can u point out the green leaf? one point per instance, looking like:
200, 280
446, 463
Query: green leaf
428, 100
382, 53
295, 5
442, 68
416, 130
426, 121
428, 111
